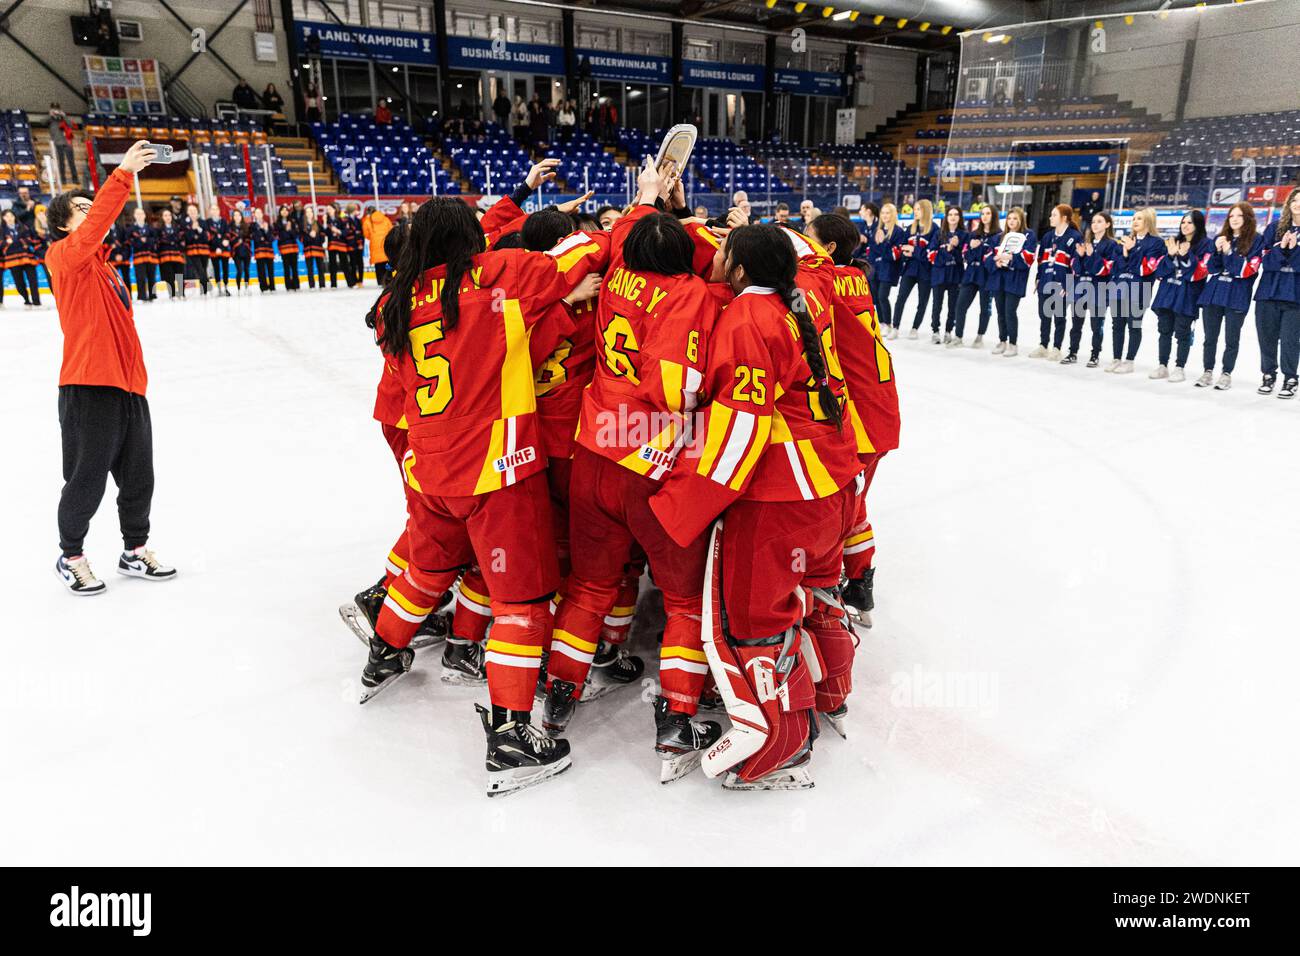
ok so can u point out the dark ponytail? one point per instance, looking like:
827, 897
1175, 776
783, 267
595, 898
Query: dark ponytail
443, 232
767, 256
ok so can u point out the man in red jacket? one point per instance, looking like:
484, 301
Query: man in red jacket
103, 413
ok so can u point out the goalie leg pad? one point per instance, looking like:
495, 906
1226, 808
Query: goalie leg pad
835, 646
784, 702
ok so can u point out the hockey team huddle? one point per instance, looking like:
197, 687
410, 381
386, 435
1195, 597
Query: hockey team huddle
702, 401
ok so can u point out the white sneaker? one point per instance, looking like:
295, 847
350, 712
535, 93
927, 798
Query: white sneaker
1114, 364
1206, 380
934, 338
956, 344
1053, 354
143, 563
1176, 374
1011, 351
1224, 383
1039, 352
1160, 371
947, 338
1124, 368
77, 576
978, 343
893, 332
912, 334
999, 348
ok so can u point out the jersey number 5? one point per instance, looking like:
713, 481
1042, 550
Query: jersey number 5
434, 398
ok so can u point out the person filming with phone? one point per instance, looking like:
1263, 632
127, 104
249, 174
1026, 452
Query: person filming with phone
103, 412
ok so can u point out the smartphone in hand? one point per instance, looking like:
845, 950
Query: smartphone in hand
163, 154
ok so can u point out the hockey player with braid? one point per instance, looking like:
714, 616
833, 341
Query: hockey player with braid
459, 327
872, 412
653, 320
778, 461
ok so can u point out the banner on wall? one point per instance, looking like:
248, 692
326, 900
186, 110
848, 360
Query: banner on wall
808, 82
628, 67
390, 46
730, 76
123, 86
1049, 165
468, 53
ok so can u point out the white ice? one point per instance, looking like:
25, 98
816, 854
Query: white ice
1084, 649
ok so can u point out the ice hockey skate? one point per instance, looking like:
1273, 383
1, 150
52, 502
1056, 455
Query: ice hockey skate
837, 719
613, 667
362, 612
558, 707
518, 755
796, 776
679, 741
462, 662
385, 666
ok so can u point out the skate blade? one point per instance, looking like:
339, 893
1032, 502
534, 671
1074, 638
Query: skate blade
795, 778
370, 693
353, 617
421, 641
859, 618
676, 766
502, 783
593, 691
461, 679
837, 724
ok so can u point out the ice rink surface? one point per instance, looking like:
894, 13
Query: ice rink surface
1084, 647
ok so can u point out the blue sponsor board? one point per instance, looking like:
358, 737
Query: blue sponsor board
628, 67
467, 53
392, 46
808, 82
727, 76
1047, 165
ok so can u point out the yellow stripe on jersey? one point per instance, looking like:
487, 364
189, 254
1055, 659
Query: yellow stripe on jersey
571, 258
668, 651
780, 430
859, 538
489, 479
519, 650
396, 560
719, 421
859, 430
408, 467
673, 375
660, 442
758, 444
707, 236
517, 394
823, 485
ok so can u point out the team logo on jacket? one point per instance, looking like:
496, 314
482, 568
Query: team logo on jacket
515, 459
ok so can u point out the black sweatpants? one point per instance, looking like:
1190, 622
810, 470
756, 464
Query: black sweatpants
106, 431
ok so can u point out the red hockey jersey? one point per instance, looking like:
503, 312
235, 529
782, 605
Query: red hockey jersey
649, 347
765, 435
469, 396
872, 407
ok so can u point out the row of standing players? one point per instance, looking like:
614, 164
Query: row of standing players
1082, 275
235, 247
558, 433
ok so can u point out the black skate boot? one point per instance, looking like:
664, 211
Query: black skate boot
558, 707
1266, 386
613, 667
385, 665
679, 741
368, 604
519, 755
711, 698
858, 598
462, 662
